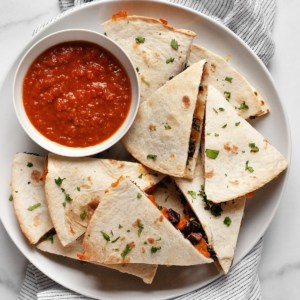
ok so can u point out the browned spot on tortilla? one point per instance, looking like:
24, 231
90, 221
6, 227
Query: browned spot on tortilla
205, 73
255, 93
151, 240
115, 184
106, 191
143, 250
164, 21
235, 182
71, 229
113, 161
161, 218
186, 101
36, 175
121, 165
262, 102
86, 186
152, 127
115, 260
157, 55
209, 174
136, 223
172, 155
83, 256
213, 67
145, 58
36, 221
122, 238
93, 204
233, 149
250, 195
89, 179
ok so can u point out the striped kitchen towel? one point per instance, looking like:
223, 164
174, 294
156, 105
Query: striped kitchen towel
252, 20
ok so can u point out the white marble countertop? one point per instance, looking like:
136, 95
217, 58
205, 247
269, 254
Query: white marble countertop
280, 263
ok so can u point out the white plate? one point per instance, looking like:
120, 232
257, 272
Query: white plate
102, 283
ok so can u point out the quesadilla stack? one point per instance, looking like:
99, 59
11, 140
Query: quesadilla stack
133, 230
157, 50
221, 222
229, 82
238, 159
53, 246
29, 196
167, 130
70, 178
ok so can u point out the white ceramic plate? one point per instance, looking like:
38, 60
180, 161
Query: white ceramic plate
102, 283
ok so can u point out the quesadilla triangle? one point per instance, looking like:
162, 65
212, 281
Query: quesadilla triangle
229, 82
28, 196
52, 245
221, 222
133, 230
167, 129
70, 178
238, 159
157, 50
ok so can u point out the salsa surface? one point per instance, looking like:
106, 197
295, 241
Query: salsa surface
77, 94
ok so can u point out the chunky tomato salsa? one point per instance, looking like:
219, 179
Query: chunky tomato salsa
77, 94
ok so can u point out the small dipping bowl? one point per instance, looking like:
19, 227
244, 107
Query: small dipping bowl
74, 35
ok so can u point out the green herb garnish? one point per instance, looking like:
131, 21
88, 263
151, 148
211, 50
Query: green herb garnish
30, 164
193, 194
151, 156
248, 168
141, 228
106, 236
49, 237
137, 69
227, 95
215, 209
11, 198
78, 189
68, 198
243, 106
154, 249
216, 135
126, 251
167, 126
229, 79
253, 147
227, 221
33, 207
83, 215
140, 40
224, 126
170, 60
115, 239
174, 44
213, 154
59, 181
237, 123
139, 195
221, 109
145, 81
120, 226
141, 176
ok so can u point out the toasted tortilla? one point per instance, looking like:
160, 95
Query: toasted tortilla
154, 58
237, 91
160, 136
244, 160
29, 196
80, 177
131, 223
146, 272
221, 238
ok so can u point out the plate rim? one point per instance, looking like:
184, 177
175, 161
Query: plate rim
38, 32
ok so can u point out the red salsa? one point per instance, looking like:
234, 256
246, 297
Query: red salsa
77, 94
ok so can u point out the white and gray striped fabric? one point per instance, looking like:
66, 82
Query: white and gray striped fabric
252, 20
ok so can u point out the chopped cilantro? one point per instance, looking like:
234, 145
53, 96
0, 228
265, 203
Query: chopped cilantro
105, 33
215, 209
137, 69
120, 226
30, 164
215, 110
213, 154
227, 95
237, 123
229, 79
78, 189
11, 198
115, 239
216, 134
139, 195
33, 207
140, 40
243, 106
106, 236
49, 237
83, 215
141, 176
167, 126
59, 181
193, 194
126, 250
227, 221
253, 147
170, 60
68, 198
145, 243
224, 126
151, 156
154, 249
141, 228
145, 81
64, 204
248, 168
221, 109
174, 44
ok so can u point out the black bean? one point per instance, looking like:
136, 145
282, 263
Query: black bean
196, 226
192, 148
174, 217
195, 238
187, 228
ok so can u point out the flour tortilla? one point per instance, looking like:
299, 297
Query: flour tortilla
150, 57
159, 138
220, 237
81, 177
120, 211
75, 249
227, 176
27, 191
240, 89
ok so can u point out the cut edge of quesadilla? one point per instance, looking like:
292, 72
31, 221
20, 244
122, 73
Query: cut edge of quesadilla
238, 159
234, 86
129, 221
29, 196
53, 246
167, 151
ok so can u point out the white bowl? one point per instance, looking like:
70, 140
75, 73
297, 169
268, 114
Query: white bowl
65, 36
